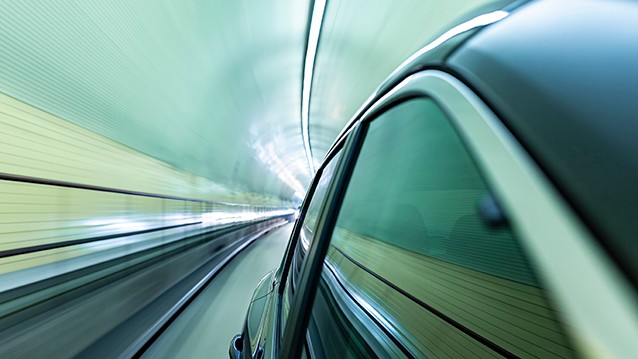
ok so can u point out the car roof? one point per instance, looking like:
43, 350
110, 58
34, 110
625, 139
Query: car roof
563, 77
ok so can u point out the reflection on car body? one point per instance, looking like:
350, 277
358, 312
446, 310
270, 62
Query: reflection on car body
461, 214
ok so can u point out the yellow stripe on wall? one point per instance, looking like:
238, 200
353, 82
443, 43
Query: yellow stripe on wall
37, 144
35, 216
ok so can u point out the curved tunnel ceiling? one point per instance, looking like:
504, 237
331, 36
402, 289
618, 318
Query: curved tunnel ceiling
361, 43
211, 87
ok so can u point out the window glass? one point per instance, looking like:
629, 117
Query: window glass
412, 252
306, 234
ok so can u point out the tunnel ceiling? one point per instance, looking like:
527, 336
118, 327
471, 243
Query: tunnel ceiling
211, 87
362, 42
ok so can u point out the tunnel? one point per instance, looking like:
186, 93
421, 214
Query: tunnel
318, 179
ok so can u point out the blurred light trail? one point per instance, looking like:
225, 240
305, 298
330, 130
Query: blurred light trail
316, 19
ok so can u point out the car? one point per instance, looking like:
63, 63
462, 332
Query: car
482, 203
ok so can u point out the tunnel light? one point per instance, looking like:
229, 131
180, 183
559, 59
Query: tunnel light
299, 195
268, 155
481, 20
316, 19
218, 218
117, 225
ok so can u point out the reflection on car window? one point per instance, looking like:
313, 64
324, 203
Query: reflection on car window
306, 234
412, 253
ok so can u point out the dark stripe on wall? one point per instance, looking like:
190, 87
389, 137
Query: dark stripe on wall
44, 247
50, 182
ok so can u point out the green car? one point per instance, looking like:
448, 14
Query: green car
483, 202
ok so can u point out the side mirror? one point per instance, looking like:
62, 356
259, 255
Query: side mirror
236, 347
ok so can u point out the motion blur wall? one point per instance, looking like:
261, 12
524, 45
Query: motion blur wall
195, 103
208, 87
211, 88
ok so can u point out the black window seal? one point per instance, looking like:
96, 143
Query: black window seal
299, 316
284, 267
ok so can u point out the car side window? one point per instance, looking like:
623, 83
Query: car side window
412, 254
307, 232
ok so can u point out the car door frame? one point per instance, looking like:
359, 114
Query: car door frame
293, 339
522, 189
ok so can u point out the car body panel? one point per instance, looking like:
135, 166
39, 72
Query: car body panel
259, 313
562, 76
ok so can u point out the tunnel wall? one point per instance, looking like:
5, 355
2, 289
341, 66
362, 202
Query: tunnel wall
61, 184
114, 308
90, 228
38, 144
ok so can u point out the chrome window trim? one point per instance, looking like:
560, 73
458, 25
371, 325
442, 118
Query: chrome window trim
354, 306
593, 295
